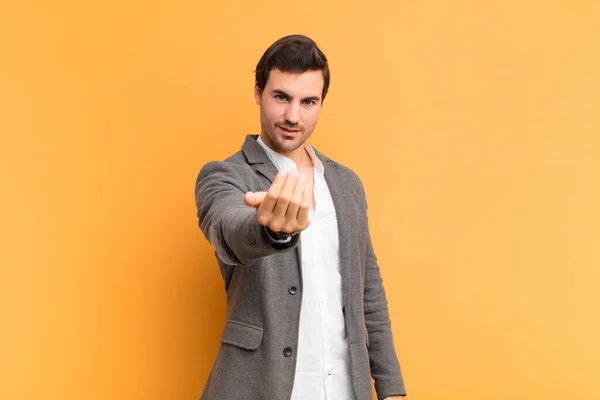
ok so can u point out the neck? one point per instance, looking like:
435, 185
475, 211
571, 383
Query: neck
300, 157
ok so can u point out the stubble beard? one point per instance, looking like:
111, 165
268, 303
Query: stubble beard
281, 145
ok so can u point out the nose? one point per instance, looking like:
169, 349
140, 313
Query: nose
292, 113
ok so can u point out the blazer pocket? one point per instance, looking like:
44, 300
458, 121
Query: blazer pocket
242, 335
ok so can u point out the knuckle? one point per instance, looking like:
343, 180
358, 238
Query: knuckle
270, 196
263, 219
284, 199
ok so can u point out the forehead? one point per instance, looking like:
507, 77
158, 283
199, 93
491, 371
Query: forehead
303, 84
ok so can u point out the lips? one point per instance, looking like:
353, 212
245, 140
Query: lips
289, 130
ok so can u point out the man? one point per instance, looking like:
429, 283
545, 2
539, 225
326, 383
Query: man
307, 314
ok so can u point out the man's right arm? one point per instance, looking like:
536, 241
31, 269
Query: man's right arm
232, 226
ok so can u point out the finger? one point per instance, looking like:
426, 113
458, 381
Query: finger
292, 211
270, 199
254, 199
285, 195
303, 217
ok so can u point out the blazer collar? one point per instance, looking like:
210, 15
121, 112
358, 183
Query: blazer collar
258, 159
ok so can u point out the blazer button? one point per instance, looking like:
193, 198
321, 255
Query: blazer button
293, 290
287, 351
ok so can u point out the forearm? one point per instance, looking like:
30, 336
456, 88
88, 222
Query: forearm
227, 222
239, 239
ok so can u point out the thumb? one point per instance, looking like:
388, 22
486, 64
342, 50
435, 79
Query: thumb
254, 199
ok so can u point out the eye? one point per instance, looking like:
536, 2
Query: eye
308, 102
281, 97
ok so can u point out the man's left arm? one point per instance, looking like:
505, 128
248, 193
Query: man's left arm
385, 368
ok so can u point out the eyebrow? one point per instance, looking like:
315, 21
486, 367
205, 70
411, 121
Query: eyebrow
281, 92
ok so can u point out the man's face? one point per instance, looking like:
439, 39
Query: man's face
289, 108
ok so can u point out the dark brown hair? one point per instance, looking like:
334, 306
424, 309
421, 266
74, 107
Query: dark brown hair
293, 53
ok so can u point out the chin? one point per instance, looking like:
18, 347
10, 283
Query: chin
282, 144
287, 145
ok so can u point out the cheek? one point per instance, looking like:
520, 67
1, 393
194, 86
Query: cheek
311, 118
270, 117
271, 113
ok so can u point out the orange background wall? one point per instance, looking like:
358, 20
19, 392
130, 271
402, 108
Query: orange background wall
473, 125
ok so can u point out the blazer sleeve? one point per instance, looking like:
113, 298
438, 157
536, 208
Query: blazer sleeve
227, 222
385, 368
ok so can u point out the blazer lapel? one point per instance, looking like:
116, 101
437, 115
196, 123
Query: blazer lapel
258, 159
340, 202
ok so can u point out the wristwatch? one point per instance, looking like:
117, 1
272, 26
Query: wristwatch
280, 235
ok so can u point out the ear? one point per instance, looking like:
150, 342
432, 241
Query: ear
257, 94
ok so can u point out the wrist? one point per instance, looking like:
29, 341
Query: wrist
280, 235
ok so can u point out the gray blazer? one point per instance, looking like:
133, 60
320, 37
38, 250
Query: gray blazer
257, 356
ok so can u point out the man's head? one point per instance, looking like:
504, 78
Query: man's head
292, 78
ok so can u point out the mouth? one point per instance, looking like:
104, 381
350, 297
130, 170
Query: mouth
292, 131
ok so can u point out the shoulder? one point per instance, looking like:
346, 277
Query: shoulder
233, 168
347, 178
345, 173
